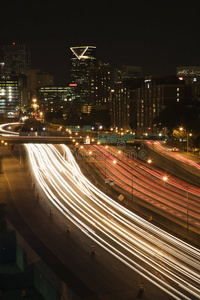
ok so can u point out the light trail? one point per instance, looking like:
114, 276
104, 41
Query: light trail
166, 151
8, 132
116, 229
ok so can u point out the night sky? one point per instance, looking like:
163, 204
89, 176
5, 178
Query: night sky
157, 35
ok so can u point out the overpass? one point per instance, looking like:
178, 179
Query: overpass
14, 139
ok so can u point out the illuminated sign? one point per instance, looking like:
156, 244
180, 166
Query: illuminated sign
128, 138
87, 141
73, 84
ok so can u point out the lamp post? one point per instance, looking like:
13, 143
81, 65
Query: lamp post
165, 178
105, 167
187, 137
90, 153
105, 161
187, 206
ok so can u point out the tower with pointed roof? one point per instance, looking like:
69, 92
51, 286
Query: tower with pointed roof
82, 58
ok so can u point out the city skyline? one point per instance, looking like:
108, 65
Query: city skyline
156, 36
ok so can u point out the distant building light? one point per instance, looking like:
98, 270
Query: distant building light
73, 84
180, 78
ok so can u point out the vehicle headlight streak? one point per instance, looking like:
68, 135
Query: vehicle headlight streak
113, 224
7, 131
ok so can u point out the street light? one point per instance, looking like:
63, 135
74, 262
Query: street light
187, 137
165, 178
187, 207
90, 153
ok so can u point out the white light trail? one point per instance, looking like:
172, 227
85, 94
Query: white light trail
119, 231
6, 132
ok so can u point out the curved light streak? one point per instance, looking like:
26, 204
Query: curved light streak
8, 132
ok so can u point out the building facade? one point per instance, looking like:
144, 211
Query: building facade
154, 95
55, 98
127, 72
127, 79
124, 104
191, 76
36, 79
17, 59
99, 81
9, 94
82, 58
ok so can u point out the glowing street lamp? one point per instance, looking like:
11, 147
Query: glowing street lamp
187, 138
165, 178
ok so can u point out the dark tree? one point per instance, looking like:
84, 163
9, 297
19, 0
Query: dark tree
32, 123
176, 115
99, 116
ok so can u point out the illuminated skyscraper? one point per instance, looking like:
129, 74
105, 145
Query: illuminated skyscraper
82, 58
9, 94
191, 76
17, 59
100, 84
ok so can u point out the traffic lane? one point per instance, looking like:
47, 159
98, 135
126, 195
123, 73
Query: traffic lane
71, 253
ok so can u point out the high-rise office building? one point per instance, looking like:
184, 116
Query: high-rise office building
124, 104
82, 58
36, 79
55, 98
155, 94
127, 72
17, 59
127, 79
99, 79
191, 76
9, 94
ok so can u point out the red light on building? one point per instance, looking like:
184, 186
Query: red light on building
180, 78
13, 43
73, 84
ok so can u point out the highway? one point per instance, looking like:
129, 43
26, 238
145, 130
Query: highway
148, 183
158, 257
158, 146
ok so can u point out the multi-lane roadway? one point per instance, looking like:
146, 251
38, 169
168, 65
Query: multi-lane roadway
158, 257
151, 185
